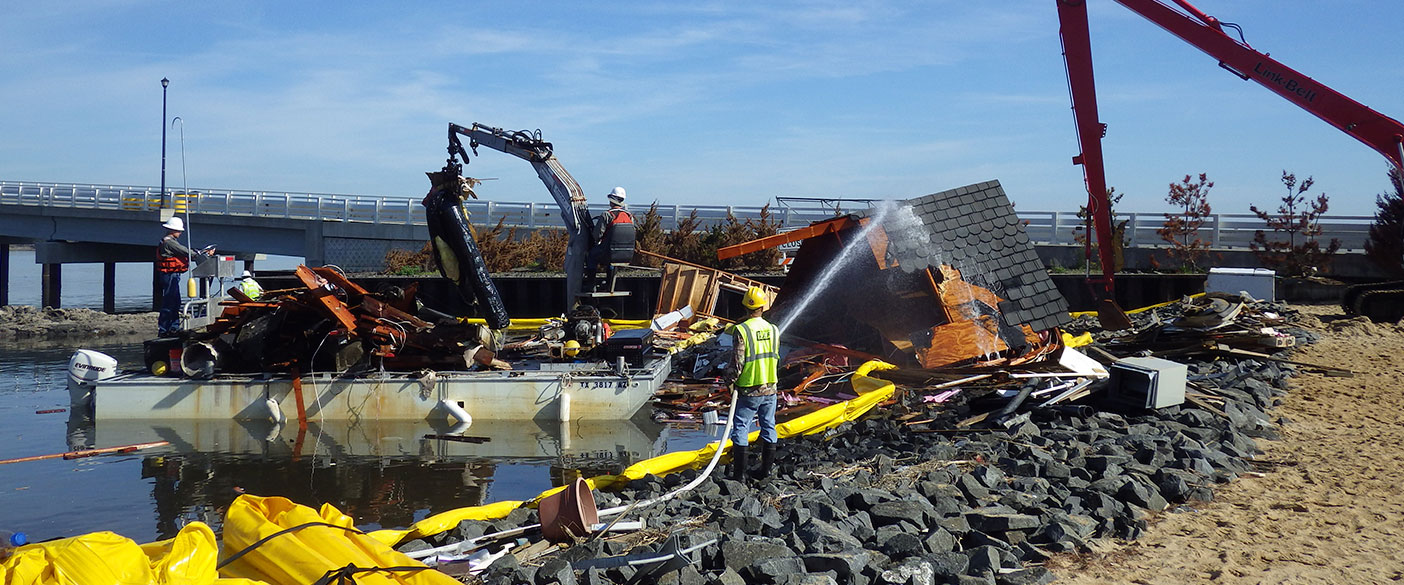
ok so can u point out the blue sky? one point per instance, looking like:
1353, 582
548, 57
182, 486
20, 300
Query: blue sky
702, 102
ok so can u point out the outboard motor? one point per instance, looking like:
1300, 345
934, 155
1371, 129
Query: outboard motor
85, 369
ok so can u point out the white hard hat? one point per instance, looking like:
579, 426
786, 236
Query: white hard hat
174, 223
616, 195
246, 274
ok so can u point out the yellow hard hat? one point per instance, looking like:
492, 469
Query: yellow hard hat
571, 349
755, 298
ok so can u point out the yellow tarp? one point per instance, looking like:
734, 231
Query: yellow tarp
871, 391
102, 558
306, 554
1071, 340
446, 521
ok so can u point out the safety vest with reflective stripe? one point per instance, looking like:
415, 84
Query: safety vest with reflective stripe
250, 288
762, 343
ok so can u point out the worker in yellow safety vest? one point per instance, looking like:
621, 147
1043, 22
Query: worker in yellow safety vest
753, 374
250, 287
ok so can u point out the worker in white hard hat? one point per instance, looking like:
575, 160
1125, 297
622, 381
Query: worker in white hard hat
249, 286
613, 238
754, 376
172, 261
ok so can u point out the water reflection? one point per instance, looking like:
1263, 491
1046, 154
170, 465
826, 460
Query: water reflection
385, 473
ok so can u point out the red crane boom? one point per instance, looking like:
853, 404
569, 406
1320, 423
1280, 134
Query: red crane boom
1204, 32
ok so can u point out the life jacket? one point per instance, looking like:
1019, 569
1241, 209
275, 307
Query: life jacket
762, 361
619, 236
169, 264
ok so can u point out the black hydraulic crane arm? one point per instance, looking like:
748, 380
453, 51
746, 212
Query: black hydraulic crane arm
529, 146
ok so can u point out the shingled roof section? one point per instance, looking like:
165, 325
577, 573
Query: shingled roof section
974, 229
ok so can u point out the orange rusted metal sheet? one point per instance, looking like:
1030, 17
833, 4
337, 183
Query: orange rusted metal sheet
326, 301
376, 308
815, 229
340, 280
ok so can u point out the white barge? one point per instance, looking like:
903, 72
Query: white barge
579, 442
542, 390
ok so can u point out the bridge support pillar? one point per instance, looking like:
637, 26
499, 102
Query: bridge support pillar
314, 246
109, 287
4, 273
51, 285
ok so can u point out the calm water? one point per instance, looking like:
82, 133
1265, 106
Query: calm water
382, 474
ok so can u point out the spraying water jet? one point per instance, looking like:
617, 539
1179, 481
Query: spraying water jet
845, 256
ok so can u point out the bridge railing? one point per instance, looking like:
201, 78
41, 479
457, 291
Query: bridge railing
354, 208
1224, 230
1220, 230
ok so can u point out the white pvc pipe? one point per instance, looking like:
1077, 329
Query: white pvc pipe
701, 477
457, 412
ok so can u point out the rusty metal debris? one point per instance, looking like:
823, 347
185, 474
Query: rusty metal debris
333, 324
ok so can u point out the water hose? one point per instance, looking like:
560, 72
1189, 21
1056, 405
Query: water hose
706, 472
461, 550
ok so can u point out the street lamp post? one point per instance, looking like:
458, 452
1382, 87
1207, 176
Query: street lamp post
164, 83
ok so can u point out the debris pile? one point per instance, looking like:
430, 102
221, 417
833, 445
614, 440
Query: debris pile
935, 281
1213, 318
959, 488
329, 324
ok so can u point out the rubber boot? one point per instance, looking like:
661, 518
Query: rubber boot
766, 460
738, 463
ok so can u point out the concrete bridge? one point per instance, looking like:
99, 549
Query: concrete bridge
70, 223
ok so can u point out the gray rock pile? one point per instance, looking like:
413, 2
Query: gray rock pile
878, 502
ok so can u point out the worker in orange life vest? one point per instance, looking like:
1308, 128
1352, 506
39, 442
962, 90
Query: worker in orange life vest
613, 238
172, 261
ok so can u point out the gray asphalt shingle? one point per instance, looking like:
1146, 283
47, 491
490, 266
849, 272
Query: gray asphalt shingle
974, 228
